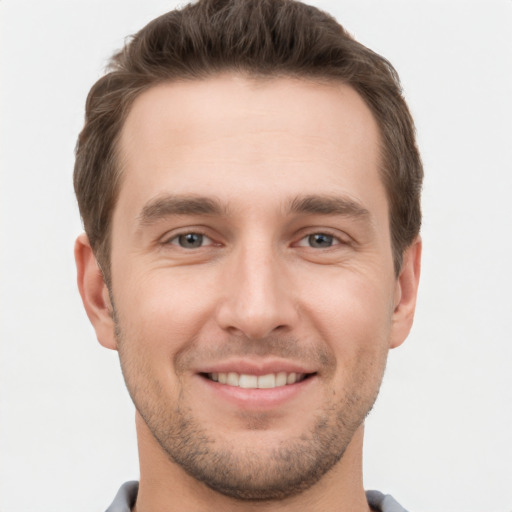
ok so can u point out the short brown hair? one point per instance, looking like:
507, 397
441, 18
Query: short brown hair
258, 37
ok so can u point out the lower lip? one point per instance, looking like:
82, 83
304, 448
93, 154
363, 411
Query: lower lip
251, 399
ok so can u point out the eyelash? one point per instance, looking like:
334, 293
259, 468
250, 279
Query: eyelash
175, 240
332, 239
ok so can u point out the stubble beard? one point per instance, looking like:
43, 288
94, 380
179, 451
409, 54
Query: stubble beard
248, 473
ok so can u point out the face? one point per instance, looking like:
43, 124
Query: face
253, 287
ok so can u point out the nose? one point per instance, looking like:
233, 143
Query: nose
258, 295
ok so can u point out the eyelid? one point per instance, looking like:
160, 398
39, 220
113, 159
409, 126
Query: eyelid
170, 238
207, 241
338, 239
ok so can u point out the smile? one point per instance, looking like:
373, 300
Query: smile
248, 381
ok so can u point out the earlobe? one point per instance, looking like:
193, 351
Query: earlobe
94, 293
406, 293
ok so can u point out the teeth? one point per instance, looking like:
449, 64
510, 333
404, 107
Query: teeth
232, 379
248, 381
269, 381
281, 379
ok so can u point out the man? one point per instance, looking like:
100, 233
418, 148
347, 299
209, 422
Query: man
249, 183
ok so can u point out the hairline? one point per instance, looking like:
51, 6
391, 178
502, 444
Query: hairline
118, 162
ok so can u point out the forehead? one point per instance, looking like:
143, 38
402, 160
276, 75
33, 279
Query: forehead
231, 135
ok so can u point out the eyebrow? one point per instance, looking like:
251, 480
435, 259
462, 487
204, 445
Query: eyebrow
166, 206
328, 205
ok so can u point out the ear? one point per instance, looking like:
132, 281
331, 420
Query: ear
94, 293
405, 294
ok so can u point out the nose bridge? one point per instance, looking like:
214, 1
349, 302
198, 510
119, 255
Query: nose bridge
257, 298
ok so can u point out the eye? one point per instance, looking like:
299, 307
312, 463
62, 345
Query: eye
190, 240
318, 241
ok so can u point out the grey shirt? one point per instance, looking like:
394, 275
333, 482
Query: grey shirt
126, 496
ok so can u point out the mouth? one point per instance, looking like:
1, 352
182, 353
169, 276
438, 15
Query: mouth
250, 381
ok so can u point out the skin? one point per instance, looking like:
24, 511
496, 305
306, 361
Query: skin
259, 169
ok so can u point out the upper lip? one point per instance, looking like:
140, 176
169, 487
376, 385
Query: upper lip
254, 367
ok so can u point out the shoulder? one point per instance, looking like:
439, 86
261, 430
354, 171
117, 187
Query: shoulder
383, 502
125, 498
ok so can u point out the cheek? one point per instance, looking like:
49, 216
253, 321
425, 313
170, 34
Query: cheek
351, 310
162, 310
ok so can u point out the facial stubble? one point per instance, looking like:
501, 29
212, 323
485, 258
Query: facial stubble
249, 473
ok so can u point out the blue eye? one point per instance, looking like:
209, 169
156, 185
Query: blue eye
319, 240
190, 240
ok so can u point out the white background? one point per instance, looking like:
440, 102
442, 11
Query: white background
440, 437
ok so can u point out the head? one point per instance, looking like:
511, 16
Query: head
259, 38
249, 184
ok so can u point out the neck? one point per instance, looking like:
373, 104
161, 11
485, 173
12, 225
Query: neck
165, 486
